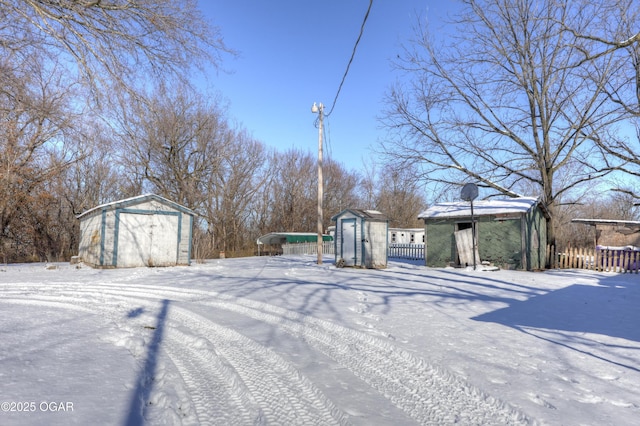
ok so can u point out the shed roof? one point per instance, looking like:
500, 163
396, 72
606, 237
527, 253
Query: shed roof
127, 202
374, 215
406, 229
593, 222
518, 205
291, 237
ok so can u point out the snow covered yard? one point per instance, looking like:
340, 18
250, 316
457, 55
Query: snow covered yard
281, 340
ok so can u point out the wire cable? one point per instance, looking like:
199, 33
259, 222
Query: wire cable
327, 139
353, 54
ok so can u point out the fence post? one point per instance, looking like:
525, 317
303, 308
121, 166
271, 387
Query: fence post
579, 259
572, 257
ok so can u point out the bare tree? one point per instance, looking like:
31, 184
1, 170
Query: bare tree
233, 191
97, 176
341, 190
400, 197
50, 52
113, 41
293, 192
180, 145
37, 138
504, 99
616, 35
172, 144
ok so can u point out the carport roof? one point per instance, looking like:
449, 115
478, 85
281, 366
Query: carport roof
291, 237
593, 222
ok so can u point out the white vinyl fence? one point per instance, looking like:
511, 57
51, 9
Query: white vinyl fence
308, 248
406, 251
398, 251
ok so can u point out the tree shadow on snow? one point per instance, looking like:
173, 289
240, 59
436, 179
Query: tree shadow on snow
573, 316
402, 280
144, 384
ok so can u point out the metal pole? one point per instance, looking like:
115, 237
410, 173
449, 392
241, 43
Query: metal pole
320, 183
473, 237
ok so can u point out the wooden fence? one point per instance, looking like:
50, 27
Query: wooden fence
308, 248
604, 260
406, 251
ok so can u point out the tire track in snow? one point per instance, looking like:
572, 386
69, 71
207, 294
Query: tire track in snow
231, 379
283, 394
218, 395
426, 393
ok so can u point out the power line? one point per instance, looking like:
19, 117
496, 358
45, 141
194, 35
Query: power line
327, 139
353, 54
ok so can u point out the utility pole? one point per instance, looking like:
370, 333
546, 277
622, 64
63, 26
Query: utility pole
320, 110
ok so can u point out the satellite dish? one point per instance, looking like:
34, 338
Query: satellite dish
469, 192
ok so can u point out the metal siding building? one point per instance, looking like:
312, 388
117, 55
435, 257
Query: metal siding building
406, 235
147, 230
361, 238
614, 233
509, 233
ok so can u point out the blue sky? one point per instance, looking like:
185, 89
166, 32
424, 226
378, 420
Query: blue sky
293, 53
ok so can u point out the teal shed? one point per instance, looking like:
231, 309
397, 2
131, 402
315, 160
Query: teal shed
147, 230
510, 233
361, 238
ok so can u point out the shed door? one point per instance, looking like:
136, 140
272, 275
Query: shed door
348, 241
164, 241
147, 240
466, 249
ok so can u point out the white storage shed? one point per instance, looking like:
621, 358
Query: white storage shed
361, 238
147, 230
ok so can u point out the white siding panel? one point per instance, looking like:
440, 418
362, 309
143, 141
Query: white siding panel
376, 244
90, 239
134, 241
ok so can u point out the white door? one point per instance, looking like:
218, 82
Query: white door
466, 249
134, 241
147, 240
164, 240
348, 241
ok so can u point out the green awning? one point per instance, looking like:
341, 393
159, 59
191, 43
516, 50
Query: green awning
307, 238
291, 238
